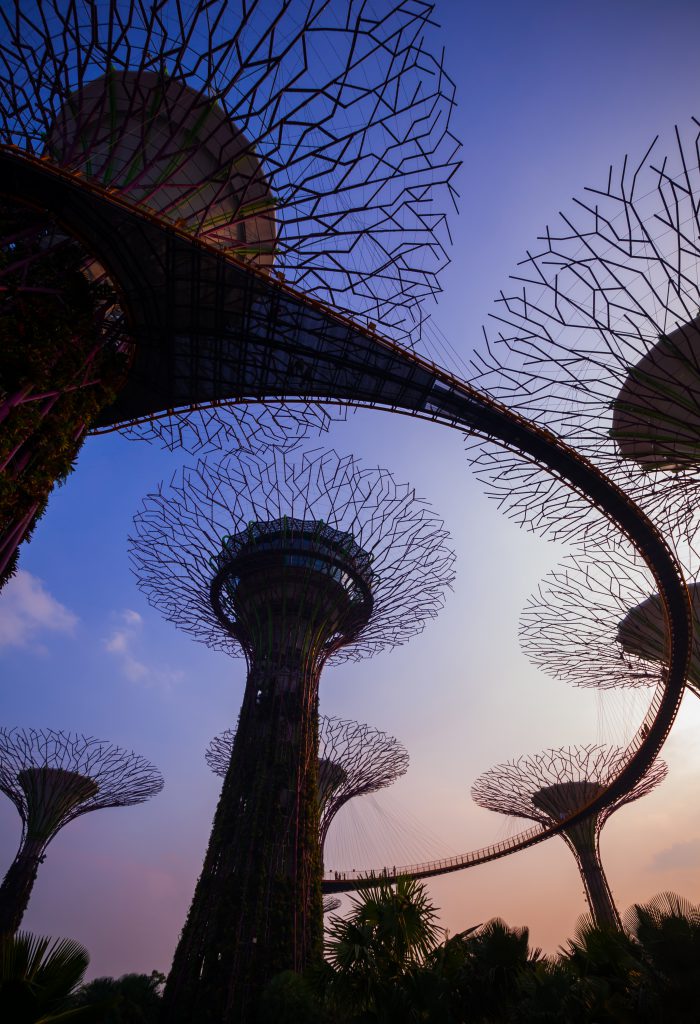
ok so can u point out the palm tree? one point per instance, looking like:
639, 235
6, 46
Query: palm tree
608, 968
373, 954
484, 969
37, 977
667, 929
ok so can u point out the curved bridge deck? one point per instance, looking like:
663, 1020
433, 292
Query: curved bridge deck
209, 329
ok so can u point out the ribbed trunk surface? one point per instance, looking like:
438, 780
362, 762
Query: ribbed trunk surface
17, 885
598, 894
257, 908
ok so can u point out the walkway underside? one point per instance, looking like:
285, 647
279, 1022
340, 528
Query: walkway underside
209, 329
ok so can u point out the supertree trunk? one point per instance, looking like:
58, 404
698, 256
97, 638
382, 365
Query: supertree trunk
17, 885
63, 357
257, 908
598, 894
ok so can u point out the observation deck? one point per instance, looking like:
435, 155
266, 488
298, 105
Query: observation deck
292, 576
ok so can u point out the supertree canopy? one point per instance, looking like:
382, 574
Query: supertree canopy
353, 759
188, 535
53, 777
598, 339
292, 562
598, 622
549, 787
312, 138
309, 142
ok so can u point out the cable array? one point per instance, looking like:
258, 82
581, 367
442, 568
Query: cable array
549, 787
354, 759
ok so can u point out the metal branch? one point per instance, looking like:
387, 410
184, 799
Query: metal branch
549, 787
597, 621
312, 139
509, 788
354, 759
599, 340
294, 562
53, 777
180, 531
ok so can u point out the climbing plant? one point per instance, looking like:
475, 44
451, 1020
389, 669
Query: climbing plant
63, 357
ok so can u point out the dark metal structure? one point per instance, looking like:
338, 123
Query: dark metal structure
597, 621
209, 328
313, 353
292, 562
53, 777
353, 759
549, 787
309, 142
598, 338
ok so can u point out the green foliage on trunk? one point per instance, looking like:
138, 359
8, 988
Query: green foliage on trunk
56, 370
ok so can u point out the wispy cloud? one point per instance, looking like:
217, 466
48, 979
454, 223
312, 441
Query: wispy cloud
122, 643
679, 856
27, 610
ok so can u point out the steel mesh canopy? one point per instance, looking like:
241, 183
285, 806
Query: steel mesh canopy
550, 786
310, 135
597, 339
53, 777
180, 530
597, 621
255, 428
354, 759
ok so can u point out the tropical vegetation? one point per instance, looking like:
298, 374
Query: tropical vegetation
388, 962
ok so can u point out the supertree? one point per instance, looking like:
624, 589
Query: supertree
206, 327
353, 759
53, 777
291, 563
549, 787
597, 621
599, 339
306, 143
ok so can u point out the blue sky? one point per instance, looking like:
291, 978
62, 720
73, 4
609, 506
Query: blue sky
549, 95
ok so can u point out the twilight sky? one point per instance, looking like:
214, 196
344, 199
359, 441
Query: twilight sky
549, 95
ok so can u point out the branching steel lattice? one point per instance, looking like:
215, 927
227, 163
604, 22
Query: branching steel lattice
209, 328
293, 563
353, 759
597, 621
549, 787
53, 777
309, 141
599, 338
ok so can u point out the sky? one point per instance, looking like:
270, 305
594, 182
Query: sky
549, 95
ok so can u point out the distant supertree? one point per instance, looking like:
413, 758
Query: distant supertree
597, 621
307, 144
600, 338
291, 562
53, 777
353, 759
330, 903
553, 785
